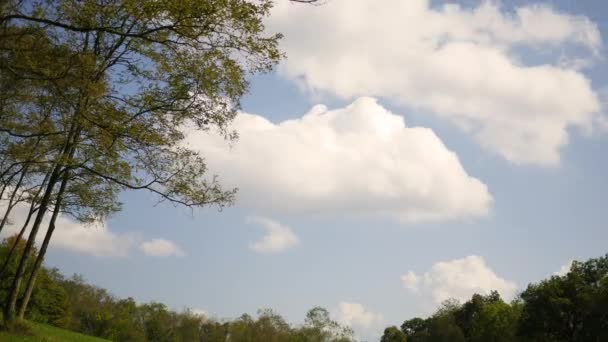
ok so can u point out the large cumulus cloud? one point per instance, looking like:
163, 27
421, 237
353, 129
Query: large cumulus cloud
357, 160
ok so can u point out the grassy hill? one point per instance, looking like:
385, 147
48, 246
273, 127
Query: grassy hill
47, 333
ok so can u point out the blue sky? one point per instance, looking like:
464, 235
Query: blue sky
506, 130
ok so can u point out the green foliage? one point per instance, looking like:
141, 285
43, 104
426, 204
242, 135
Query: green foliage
443, 326
573, 307
11, 265
126, 324
496, 321
393, 334
318, 326
416, 329
158, 322
487, 318
189, 328
269, 326
124, 80
49, 301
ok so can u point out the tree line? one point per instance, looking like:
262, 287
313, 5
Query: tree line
71, 303
569, 308
96, 97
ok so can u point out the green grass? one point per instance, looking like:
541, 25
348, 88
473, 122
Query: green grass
47, 333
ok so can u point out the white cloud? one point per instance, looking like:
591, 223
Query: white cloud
366, 324
278, 237
357, 160
199, 312
459, 279
96, 240
356, 315
564, 269
161, 248
410, 281
463, 64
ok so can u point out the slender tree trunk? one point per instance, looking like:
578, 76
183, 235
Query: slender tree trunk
6, 168
24, 170
5, 172
11, 201
45, 244
16, 243
66, 155
5, 184
11, 302
27, 222
13, 294
66, 152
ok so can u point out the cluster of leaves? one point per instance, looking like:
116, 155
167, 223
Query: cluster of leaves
73, 304
572, 307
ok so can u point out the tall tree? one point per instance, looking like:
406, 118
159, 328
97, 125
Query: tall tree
129, 79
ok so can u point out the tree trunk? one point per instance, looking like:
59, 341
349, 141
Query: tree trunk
14, 246
5, 184
11, 302
11, 203
67, 151
27, 222
24, 170
45, 244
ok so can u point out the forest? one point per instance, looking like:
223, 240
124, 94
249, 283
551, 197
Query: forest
570, 307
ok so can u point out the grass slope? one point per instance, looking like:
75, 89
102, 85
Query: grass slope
47, 333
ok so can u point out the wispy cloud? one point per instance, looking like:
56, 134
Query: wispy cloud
278, 237
161, 248
564, 269
365, 322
